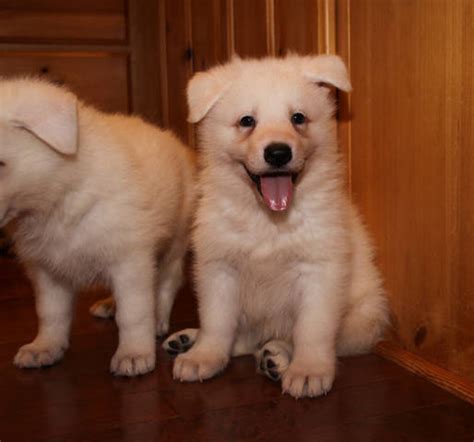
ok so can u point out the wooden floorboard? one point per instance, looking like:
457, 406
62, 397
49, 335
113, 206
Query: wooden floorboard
79, 400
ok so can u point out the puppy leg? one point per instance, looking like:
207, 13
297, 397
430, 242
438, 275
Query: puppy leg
171, 279
180, 342
133, 282
103, 308
273, 358
54, 305
312, 369
219, 311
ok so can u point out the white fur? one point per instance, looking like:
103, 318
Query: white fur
89, 196
305, 276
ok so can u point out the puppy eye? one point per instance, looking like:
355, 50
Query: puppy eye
247, 121
2, 164
298, 118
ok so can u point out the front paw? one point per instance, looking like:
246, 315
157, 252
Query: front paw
197, 365
35, 355
132, 364
308, 380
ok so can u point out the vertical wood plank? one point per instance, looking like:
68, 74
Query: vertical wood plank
209, 33
250, 27
144, 19
178, 64
342, 14
296, 26
326, 26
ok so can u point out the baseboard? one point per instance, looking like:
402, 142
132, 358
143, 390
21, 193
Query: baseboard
445, 379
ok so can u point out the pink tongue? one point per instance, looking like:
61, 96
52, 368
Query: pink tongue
277, 191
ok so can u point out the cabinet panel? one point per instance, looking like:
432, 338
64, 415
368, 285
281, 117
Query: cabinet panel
98, 78
51, 20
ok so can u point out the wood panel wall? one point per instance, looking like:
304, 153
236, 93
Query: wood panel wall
200, 33
409, 127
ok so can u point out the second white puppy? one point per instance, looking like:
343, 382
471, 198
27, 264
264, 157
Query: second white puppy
89, 196
283, 263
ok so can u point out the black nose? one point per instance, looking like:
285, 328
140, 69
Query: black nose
277, 154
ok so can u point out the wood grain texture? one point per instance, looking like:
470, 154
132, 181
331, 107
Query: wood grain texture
104, 6
463, 308
144, 22
178, 62
209, 33
296, 26
53, 20
445, 379
344, 99
99, 78
411, 161
250, 27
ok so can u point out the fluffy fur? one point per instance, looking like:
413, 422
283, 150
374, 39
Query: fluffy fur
294, 287
86, 197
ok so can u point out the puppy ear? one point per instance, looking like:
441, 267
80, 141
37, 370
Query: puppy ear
204, 89
329, 69
50, 114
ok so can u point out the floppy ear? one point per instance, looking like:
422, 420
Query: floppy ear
51, 115
329, 69
204, 89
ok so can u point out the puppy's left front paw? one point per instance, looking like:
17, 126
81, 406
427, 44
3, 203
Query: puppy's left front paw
197, 365
307, 381
129, 364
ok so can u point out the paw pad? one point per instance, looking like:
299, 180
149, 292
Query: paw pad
176, 346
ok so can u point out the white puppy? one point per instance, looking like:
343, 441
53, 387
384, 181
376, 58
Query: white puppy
284, 265
88, 196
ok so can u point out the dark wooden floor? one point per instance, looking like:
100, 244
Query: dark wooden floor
372, 399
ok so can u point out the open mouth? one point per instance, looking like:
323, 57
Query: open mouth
276, 188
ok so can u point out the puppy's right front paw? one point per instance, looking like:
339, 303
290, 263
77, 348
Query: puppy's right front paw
34, 355
197, 365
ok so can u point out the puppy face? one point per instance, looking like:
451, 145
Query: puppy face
38, 130
270, 116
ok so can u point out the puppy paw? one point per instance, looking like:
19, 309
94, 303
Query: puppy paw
307, 381
273, 360
197, 365
104, 308
180, 342
35, 355
130, 364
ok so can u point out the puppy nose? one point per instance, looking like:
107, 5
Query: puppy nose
277, 154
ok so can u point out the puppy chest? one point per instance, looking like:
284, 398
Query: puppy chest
70, 255
268, 292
